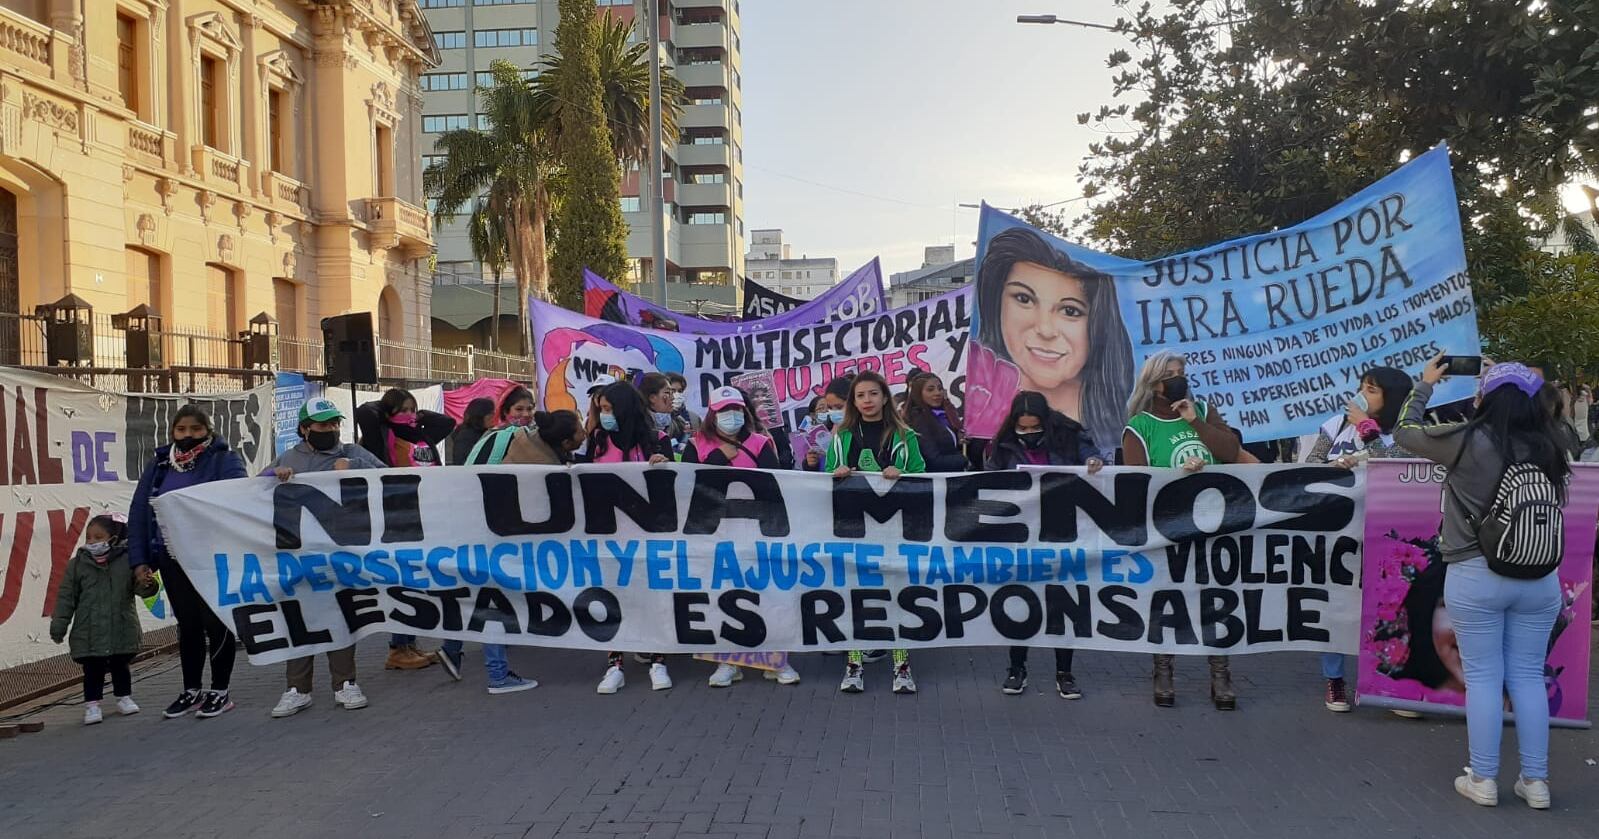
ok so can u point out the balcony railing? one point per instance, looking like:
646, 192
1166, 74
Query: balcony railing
218, 168
282, 189
25, 42
148, 141
397, 223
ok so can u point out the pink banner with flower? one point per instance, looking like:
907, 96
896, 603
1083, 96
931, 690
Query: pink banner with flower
1408, 655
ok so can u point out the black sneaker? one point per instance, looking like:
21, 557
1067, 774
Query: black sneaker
1015, 681
1066, 686
215, 704
187, 701
874, 655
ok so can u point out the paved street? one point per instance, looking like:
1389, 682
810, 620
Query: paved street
432, 758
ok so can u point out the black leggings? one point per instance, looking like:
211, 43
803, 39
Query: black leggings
198, 629
1063, 658
94, 670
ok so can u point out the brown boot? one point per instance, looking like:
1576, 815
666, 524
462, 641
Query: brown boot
1221, 684
407, 658
1165, 691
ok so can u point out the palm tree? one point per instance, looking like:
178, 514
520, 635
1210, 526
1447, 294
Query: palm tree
624, 90
512, 165
490, 246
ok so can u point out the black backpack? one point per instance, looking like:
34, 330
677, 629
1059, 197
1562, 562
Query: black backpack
1523, 532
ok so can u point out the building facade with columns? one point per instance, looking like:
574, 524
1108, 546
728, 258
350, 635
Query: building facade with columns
213, 160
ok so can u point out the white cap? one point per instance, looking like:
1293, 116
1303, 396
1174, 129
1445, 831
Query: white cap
722, 397
602, 381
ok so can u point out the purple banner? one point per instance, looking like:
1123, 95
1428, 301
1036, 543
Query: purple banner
1408, 655
857, 296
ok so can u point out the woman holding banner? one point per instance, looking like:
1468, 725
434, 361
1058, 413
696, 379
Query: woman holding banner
624, 433
1169, 428
195, 456
1054, 322
1502, 623
1364, 430
1036, 435
936, 422
731, 436
828, 415
873, 438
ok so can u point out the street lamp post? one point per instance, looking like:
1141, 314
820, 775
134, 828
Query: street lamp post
657, 201
1048, 19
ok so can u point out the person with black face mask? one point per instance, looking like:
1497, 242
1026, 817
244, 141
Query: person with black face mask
196, 456
321, 450
1034, 434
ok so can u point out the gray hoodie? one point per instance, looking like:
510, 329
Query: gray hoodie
303, 458
1473, 474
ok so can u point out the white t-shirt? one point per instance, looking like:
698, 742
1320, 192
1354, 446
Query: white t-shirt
1345, 439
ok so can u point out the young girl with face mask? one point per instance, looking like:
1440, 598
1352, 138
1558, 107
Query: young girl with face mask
96, 597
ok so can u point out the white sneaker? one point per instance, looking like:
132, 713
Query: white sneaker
350, 697
126, 706
787, 676
1535, 793
91, 713
1484, 791
903, 681
613, 681
853, 681
726, 675
291, 703
659, 680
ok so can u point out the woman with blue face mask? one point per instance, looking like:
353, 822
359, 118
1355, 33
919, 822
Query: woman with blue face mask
730, 436
626, 432
830, 413
659, 396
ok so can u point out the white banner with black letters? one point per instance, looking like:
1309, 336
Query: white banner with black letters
694, 559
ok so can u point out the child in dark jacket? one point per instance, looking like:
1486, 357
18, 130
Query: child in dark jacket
96, 598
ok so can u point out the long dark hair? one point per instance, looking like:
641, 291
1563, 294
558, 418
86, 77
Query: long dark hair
1062, 434
557, 427
635, 431
1395, 386
852, 417
651, 384
196, 413
394, 399
478, 413
1523, 431
1107, 376
513, 396
918, 412
1426, 594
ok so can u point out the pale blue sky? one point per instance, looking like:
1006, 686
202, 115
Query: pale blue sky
928, 103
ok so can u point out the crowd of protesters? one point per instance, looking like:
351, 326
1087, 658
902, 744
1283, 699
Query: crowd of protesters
1502, 624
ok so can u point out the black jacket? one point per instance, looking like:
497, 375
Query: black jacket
431, 428
1007, 453
940, 449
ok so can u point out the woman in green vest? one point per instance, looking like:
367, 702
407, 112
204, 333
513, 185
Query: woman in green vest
1169, 428
872, 438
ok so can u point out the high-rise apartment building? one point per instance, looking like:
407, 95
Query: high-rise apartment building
704, 168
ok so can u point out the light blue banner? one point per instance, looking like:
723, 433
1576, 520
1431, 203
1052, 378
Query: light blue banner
1277, 328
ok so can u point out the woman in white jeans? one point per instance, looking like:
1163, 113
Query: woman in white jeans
1502, 624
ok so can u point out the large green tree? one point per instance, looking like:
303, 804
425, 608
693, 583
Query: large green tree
589, 225
625, 89
1233, 117
503, 177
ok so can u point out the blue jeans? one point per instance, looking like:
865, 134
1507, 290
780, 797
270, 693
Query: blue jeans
494, 659
397, 641
1332, 665
1502, 626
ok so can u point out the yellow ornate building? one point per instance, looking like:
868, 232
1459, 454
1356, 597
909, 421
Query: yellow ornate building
214, 159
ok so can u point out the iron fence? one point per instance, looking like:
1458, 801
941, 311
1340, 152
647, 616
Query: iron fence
199, 360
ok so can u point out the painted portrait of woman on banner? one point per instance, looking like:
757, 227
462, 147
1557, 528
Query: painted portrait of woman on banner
1047, 323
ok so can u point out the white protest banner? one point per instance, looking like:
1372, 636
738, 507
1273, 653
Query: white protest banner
696, 559
68, 453
573, 350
